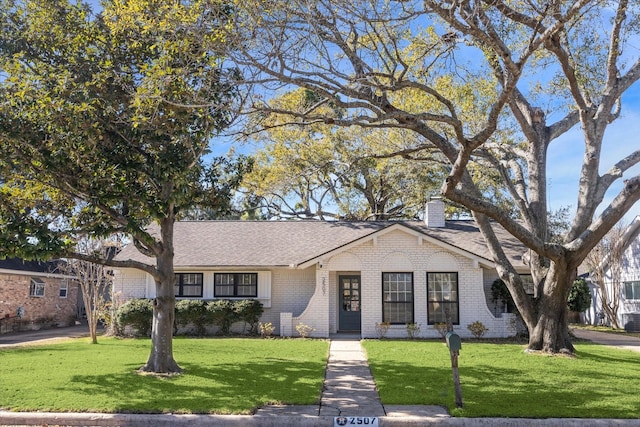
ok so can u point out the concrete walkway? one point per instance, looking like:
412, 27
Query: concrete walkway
349, 388
350, 391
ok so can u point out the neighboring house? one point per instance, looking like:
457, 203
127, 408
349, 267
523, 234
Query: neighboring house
629, 286
34, 296
339, 276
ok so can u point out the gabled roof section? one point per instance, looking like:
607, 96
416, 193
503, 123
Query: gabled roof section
296, 243
256, 243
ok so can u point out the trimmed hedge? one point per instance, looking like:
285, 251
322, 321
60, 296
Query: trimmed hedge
223, 315
249, 311
193, 311
138, 315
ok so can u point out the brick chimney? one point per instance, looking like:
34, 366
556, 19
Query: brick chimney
434, 213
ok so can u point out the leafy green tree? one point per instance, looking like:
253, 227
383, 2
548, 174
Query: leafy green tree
105, 120
320, 171
469, 77
579, 296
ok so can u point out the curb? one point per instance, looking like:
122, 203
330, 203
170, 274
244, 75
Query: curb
193, 420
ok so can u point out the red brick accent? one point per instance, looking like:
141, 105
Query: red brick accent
37, 312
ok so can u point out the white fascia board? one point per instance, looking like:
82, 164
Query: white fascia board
35, 274
401, 227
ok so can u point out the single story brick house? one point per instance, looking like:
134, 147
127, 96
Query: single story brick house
339, 276
34, 295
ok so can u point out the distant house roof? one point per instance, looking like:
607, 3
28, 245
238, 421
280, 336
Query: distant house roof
17, 264
294, 243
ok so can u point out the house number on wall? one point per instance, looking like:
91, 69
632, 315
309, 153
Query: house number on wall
324, 286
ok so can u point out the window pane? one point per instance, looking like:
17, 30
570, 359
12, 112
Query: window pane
246, 291
224, 279
188, 285
224, 291
632, 290
247, 279
36, 289
527, 283
397, 291
442, 295
191, 291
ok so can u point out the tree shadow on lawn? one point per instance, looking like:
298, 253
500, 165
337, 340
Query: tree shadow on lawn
500, 391
222, 389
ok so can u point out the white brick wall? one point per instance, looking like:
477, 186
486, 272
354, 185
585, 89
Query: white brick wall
279, 290
400, 251
310, 295
434, 214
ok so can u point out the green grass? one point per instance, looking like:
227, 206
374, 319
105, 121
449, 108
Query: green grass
500, 380
223, 376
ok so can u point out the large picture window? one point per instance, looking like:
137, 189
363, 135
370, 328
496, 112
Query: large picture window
236, 285
188, 285
442, 297
397, 298
632, 290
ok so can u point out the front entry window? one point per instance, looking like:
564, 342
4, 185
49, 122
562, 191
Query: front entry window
351, 295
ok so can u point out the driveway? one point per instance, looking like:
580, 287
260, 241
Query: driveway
43, 336
611, 339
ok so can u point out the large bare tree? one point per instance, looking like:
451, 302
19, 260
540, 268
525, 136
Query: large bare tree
486, 83
94, 279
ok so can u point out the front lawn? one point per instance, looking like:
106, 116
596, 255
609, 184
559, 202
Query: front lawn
221, 376
500, 380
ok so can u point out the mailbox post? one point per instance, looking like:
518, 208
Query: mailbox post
455, 344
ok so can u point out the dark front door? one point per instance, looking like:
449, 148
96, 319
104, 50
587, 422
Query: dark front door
349, 303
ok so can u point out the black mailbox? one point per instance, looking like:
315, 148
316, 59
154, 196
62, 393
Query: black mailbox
453, 341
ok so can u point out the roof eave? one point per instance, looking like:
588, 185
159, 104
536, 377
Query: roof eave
397, 226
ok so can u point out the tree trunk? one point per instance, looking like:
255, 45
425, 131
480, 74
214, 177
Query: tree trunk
551, 331
92, 318
161, 358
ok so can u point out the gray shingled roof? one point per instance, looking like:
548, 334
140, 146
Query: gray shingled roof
287, 243
17, 264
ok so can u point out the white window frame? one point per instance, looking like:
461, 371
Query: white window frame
635, 285
64, 286
443, 287
401, 285
36, 287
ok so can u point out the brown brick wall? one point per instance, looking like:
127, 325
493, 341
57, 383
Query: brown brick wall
48, 310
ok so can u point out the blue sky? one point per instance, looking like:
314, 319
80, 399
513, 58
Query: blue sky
565, 154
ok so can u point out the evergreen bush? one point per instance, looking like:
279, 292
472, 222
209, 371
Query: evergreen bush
249, 311
193, 311
223, 315
138, 314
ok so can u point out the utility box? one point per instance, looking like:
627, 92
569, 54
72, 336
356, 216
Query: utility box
453, 341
